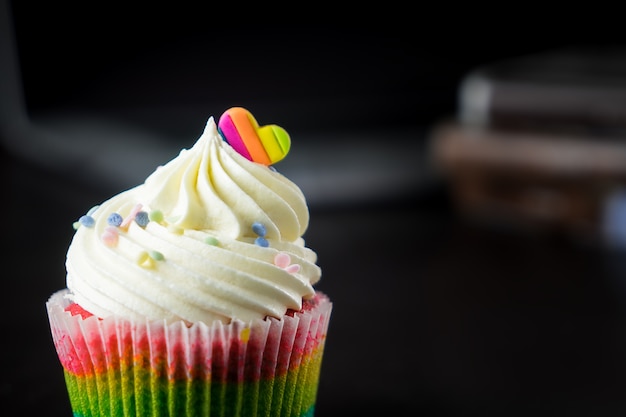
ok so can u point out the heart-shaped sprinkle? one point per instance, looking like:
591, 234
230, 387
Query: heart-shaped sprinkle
282, 260
263, 144
110, 236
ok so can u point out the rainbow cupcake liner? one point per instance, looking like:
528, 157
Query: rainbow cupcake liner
115, 367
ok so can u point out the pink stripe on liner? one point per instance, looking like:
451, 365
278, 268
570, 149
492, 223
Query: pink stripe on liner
229, 131
221, 352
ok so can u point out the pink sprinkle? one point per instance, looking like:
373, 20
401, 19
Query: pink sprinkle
131, 216
282, 260
110, 236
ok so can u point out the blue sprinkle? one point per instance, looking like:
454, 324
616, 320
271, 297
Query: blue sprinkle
87, 221
261, 241
114, 219
259, 229
142, 218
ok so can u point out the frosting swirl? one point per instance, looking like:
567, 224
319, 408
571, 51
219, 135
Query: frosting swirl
208, 236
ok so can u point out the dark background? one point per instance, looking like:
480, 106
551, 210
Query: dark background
434, 315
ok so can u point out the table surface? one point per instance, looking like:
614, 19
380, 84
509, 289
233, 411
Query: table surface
434, 315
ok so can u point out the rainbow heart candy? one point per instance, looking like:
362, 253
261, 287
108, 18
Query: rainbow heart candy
263, 144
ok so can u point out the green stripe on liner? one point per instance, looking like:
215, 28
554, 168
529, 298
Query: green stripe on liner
117, 394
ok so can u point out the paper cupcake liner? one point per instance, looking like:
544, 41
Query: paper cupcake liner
115, 367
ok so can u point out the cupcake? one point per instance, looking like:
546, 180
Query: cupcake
192, 294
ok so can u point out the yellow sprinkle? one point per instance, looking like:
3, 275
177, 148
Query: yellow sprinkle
244, 336
144, 260
175, 229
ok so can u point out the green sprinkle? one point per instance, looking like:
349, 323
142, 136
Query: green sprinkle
76, 225
91, 210
156, 216
157, 256
211, 241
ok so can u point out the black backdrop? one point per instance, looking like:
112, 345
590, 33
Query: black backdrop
433, 316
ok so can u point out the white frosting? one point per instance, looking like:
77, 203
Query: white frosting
167, 270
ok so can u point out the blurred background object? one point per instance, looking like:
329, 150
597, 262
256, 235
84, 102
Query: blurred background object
102, 93
577, 88
539, 141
